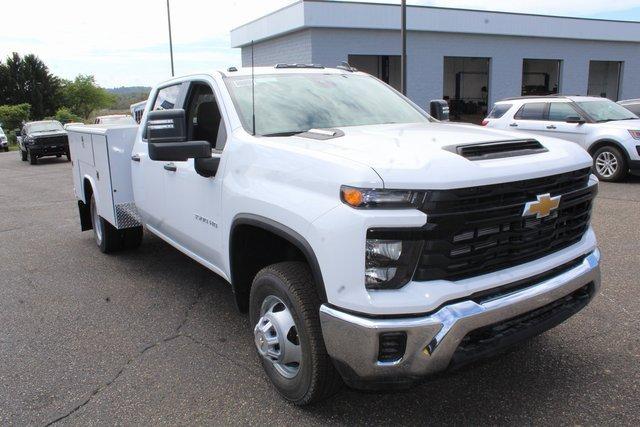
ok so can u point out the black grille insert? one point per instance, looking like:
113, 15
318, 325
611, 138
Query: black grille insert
495, 150
478, 230
492, 339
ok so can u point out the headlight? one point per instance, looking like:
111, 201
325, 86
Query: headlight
635, 134
390, 263
380, 198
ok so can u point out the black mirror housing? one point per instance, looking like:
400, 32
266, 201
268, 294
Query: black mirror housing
574, 119
439, 109
179, 151
165, 126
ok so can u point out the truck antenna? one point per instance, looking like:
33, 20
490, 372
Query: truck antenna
253, 94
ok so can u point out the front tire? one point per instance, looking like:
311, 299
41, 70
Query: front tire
284, 309
108, 238
609, 164
33, 160
23, 155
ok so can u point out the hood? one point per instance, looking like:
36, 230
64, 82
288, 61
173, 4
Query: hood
622, 124
47, 134
414, 156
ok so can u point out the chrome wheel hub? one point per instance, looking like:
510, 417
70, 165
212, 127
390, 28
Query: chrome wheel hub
606, 164
276, 337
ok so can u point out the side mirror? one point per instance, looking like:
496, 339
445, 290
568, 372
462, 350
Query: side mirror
166, 126
439, 109
179, 151
574, 119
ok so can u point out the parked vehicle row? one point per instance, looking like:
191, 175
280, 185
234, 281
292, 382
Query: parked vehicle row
368, 242
608, 131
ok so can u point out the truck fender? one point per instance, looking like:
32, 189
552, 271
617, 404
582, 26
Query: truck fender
284, 232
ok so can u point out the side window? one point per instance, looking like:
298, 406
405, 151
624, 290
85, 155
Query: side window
499, 110
559, 111
204, 121
531, 111
167, 97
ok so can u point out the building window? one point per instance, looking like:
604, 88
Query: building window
540, 76
384, 67
604, 79
466, 87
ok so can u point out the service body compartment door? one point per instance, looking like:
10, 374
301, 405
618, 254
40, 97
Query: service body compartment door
103, 179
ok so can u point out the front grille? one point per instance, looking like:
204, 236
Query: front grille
479, 230
52, 140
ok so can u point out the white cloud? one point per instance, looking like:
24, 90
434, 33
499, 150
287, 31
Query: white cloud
124, 42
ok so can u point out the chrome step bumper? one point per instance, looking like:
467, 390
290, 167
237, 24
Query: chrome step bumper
431, 340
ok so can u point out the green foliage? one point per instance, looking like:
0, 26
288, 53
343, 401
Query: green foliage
28, 80
125, 96
12, 116
65, 115
82, 96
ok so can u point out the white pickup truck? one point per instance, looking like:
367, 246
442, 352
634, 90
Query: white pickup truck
370, 243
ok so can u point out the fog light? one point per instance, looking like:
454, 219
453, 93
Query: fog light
374, 276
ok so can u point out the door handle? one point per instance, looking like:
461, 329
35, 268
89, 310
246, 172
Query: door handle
551, 127
170, 167
514, 125
135, 158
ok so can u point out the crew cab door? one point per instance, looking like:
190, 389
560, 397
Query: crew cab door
530, 118
148, 175
193, 201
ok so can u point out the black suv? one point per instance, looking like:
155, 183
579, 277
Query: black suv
43, 138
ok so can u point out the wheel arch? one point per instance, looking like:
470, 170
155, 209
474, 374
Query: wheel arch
241, 273
83, 205
606, 142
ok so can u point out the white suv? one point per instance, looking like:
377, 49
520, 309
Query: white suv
608, 131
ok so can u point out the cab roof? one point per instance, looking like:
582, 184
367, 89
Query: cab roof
284, 69
574, 98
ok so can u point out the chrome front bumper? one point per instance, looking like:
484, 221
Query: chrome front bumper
352, 340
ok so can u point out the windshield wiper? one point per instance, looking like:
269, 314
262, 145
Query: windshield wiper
289, 133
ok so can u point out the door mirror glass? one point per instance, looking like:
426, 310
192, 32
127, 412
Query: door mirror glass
574, 119
164, 126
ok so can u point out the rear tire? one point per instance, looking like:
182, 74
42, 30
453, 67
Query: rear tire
23, 155
609, 164
108, 238
287, 291
32, 159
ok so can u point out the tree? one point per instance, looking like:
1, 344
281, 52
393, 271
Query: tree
28, 80
83, 96
12, 116
64, 116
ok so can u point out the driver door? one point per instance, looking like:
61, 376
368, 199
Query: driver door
193, 208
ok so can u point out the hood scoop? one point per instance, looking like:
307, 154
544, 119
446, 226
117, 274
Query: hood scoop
322, 134
498, 150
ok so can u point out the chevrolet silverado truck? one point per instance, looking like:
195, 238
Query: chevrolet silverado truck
43, 138
369, 243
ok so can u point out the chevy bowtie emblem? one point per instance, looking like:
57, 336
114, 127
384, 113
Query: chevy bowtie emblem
541, 207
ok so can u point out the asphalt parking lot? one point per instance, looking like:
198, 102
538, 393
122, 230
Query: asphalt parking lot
150, 336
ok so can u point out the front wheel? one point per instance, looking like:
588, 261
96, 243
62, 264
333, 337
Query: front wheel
284, 308
23, 155
609, 164
33, 160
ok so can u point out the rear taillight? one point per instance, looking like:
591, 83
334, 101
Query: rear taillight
485, 122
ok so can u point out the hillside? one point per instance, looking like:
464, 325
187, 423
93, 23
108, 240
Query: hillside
127, 95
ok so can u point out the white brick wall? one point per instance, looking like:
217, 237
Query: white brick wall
290, 48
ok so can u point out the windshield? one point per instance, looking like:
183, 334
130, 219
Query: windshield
605, 110
1, 132
286, 104
43, 127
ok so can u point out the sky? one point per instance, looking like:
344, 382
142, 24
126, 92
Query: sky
125, 42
